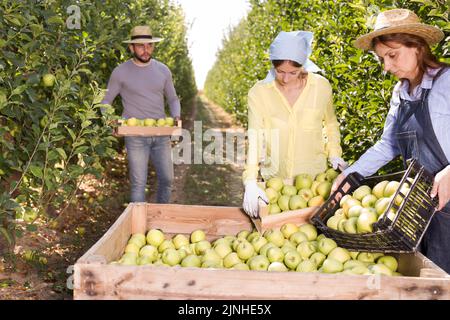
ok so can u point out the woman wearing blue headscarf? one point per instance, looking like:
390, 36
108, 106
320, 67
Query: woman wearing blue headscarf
291, 119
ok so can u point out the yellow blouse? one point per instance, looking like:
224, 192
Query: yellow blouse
291, 140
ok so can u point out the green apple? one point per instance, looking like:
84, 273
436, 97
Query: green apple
258, 262
197, 236
275, 183
211, 255
378, 189
138, 238
288, 190
381, 205
339, 254
191, 260
292, 259
274, 208
361, 192
150, 251
272, 195
160, 122
316, 201
223, 249
266, 247
275, 254
212, 264
389, 261
321, 177
341, 225
277, 266
240, 266
314, 186
288, 229
350, 264
258, 242
166, 244
283, 202
350, 225
320, 236
331, 265
306, 194
231, 259
144, 260
183, 253
48, 80
331, 174
317, 258
310, 231
202, 246
236, 242
222, 241
369, 201
180, 240
404, 190
306, 249
242, 234
170, 121
354, 211
350, 203
303, 181
366, 257
306, 266
245, 250
354, 254
132, 122
297, 202
333, 221
155, 237
365, 221
390, 189
359, 270
344, 199
129, 259
171, 257
288, 246
131, 247
149, 122
275, 236
253, 235
326, 245
380, 269
324, 189
298, 237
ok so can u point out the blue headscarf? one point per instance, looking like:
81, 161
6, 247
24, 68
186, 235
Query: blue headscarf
294, 46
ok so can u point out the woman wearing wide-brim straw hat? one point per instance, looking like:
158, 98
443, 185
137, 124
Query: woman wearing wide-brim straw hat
417, 122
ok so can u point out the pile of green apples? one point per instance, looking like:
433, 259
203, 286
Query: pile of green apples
365, 206
289, 248
148, 122
306, 191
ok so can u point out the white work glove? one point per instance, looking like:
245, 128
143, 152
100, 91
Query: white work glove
338, 163
251, 196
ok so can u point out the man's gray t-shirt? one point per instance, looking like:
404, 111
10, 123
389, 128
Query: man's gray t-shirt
143, 89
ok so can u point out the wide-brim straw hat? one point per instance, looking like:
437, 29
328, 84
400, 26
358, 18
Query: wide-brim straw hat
142, 34
399, 21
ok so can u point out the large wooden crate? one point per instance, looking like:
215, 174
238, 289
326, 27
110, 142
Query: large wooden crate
94, 278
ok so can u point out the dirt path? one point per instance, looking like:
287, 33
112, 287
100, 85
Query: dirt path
41, 265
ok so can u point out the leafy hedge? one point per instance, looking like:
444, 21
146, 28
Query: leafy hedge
361, 90
51, 138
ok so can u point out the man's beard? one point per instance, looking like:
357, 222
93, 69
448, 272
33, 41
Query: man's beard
142, 60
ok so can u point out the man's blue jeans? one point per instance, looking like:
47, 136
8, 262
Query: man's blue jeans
139, 150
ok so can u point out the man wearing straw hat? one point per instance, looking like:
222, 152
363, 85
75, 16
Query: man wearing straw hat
143, 83
417, 123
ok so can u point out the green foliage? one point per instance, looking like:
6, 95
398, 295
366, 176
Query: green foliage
361, 90
52, 137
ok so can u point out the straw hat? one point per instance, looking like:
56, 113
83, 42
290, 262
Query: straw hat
399, 21
142, 34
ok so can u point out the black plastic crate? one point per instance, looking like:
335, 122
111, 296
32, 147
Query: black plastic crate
401, 235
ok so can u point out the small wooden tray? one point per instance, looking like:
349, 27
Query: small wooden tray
149, 131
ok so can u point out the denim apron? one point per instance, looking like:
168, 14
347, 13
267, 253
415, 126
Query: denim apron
417, 139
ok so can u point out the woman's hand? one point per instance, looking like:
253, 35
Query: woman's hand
441, 187
337, 182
